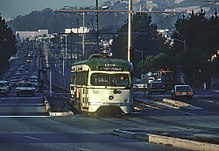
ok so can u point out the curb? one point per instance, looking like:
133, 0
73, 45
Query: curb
166, 140
69, 113
175, 103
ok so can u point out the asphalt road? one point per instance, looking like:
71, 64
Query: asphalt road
28, 127
25, 125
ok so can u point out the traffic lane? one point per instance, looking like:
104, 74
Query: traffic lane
197, 93
123, 146
207, 102
207, 92
195, 107
61, 138
199, 120
209, 106
65, 134
22, 106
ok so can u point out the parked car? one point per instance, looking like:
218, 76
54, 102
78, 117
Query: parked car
156, 86
4, 87
25, 88
182, 91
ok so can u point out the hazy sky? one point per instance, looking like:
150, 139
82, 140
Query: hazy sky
13, 8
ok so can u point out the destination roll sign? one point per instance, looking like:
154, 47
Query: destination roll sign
110, 68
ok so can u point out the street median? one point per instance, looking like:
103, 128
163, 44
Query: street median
57, 106
167, 140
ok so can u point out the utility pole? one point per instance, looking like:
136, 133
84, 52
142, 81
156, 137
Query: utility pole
129, 29
129, 11
83, 41
97, 25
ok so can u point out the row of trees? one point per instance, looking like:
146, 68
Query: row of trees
7, 44
200, 34
145, 40
192, 46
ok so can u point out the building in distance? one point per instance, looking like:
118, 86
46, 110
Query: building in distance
32, 34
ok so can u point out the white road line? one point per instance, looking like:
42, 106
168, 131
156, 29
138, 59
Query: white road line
24, 116
33, 138
27, 104
23, 97
82, 149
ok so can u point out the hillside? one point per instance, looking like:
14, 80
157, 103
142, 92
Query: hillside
110, 22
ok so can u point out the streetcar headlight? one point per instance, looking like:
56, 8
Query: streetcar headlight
111, 97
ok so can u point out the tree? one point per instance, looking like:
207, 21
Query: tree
199, 33
7, 44
145, 37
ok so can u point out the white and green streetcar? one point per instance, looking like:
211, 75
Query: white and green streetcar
102, 84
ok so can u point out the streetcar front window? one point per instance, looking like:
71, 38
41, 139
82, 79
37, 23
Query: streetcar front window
102, 79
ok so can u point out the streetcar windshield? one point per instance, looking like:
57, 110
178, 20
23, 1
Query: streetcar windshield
103, 79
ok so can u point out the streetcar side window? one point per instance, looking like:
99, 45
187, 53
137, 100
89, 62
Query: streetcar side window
73, 78
78, 78
84, 79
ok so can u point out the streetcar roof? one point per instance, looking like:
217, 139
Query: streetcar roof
96, 63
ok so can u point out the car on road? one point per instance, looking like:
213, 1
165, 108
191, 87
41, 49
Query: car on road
25, 88
29, 61
182, 91
139, 86
156, 87
33, 78
14, 81
17, 74
4, 87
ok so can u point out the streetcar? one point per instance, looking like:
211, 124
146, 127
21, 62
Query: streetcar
102, 84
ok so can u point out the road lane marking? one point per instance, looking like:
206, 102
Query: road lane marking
23, 104
33, 138
23, 116
82, 149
